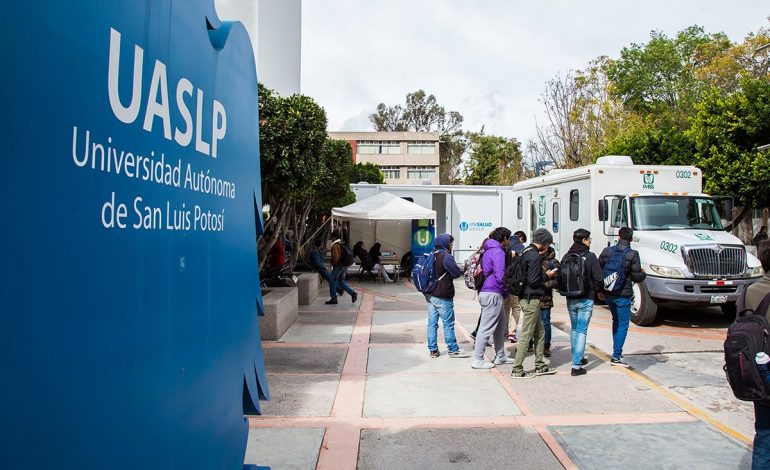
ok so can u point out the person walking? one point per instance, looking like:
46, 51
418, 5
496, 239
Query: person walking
532, 326
511, 304
339, 268
760, 236
619, 297
441, 299
580, 306
752, 297
491, 296
550, 263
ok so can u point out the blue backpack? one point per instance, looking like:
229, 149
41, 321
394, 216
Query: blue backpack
424, 273
615, 270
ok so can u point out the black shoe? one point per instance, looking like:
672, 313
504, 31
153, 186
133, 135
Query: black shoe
583, 361
331, 302
576, 372
354, 296
547, 351
434, 354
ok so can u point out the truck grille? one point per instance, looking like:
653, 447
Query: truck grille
716, 260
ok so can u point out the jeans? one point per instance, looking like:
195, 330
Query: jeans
337, 278
531, 327
580, 311
545, 317
760, 456
445, 309
620, 307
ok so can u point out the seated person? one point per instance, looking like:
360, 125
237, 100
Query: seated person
367, 262
276, 257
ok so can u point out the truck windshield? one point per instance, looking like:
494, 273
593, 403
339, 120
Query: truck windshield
675, 213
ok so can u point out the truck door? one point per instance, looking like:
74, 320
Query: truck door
555, 224
618, 216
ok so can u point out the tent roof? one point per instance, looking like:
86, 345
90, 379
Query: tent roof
383, 206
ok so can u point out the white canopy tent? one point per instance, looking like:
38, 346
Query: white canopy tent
381, 218
383, 206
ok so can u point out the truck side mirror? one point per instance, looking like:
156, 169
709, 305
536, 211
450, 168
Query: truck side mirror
604, 210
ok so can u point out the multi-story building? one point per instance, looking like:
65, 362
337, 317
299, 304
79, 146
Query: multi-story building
403, 157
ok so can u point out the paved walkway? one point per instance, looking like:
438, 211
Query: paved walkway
353, 387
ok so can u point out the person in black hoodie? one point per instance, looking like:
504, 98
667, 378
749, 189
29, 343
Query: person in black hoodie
620, 302
580, 308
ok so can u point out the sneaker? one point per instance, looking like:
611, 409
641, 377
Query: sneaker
481, 365
547, 352
583, 361
618, 362
503, 360
521, 374
435, 354
331, 302
579, 371
513, 339
544, 370
459, 353
354, 296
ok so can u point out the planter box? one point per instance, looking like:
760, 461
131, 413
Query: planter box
281, 310
308, 285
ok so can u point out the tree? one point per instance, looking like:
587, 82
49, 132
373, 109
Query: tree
422, 113
366, 172
493, 160
292, 136
726, 131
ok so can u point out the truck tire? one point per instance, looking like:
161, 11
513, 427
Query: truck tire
729, 310
644, 310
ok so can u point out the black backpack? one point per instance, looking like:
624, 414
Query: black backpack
346, 255
747, 336
516, 274
571, 276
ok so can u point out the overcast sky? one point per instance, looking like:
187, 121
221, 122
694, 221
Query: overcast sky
487, 59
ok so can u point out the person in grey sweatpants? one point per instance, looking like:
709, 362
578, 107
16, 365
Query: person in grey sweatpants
491, 296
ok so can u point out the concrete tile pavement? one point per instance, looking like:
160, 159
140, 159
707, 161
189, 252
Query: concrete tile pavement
380, 401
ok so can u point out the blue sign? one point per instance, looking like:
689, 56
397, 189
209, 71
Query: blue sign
463, 226
423, 237
131, 205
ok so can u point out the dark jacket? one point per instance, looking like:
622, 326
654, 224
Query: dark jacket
632, 264
759, 238
593, 275
363, 255
375, 254
516, 247
445, 264
535, 275
549, 262
316, 259
493, 266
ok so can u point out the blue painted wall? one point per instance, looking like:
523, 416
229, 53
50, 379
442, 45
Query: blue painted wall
128, 341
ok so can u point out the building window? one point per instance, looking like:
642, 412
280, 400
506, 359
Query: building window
421, 148
574, 204
421, 172
519, 207
555, 217
391, 172
377, 147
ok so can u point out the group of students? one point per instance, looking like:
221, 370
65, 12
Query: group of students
533, 278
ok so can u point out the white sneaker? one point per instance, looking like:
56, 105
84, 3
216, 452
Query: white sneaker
503, 360
481, 365
459, 354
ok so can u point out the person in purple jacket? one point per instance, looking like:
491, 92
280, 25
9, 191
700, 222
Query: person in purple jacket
491, 296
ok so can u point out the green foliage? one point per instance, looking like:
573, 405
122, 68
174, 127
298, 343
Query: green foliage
366, 172
292, 135
493, 160
336, 167
727, 131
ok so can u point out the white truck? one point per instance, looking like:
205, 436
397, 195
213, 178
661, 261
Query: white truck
687, 255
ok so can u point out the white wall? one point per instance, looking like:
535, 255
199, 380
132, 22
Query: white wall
275, 29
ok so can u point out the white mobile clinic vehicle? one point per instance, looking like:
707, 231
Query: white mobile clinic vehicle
687, 255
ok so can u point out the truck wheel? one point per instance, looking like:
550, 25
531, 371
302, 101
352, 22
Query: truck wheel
729, 310
643, 307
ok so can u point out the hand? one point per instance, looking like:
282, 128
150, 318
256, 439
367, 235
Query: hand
552, 273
